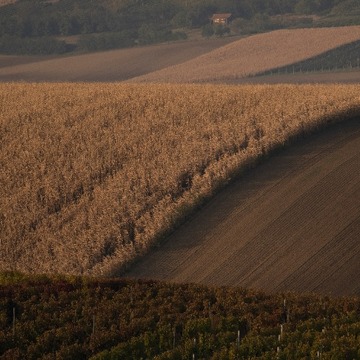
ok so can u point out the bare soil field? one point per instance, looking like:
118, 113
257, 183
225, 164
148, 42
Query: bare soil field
255, 54
114, 65
292, 223
227, 60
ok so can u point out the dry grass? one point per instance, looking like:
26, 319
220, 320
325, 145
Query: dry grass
93, 174
255, 54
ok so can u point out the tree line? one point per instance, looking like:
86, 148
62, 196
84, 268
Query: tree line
124, 23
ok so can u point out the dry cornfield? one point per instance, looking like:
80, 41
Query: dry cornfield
255, 54
93, 175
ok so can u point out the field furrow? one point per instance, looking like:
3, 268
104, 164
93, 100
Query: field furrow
292, 224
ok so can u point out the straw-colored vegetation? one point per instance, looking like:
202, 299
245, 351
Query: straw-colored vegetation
256, 54
92, 175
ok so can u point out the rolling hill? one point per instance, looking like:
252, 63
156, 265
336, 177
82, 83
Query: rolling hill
214, 60
110, 66
255, 54
94, 175
292, 223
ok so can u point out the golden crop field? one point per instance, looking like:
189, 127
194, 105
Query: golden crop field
93, 175
254, 54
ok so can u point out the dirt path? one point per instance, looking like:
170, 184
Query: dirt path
292, 223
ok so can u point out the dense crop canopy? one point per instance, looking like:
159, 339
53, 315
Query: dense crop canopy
92, 175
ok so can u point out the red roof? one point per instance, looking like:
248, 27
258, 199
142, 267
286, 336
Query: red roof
221, 16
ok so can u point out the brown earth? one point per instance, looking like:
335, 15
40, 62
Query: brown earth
292, 223
227, 60
254, 54
114, 65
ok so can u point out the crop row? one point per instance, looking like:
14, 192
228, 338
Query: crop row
78, 318
93, 175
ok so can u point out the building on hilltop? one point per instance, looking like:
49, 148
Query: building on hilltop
221, 19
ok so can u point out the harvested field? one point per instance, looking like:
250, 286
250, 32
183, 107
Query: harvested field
255, 54
292, 223
110, 66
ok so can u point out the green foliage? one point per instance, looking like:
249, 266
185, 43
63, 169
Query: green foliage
221, 30
207, 30
106, 41
155, 21
34, 46
74, 318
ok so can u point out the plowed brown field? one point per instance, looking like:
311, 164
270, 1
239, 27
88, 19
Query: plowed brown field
292, 223
214, 60
114, 65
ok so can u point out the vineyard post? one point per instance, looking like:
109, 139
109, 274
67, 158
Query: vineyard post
14, 321
238, 344
174, 337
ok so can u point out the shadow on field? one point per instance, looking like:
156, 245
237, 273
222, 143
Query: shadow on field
276, 220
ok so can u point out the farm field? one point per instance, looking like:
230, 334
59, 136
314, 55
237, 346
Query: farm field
255, 54
97, 319
94, 175
333, 77
292, 223
109, 66
229, 59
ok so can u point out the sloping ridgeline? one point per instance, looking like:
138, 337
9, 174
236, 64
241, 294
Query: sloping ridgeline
344, 57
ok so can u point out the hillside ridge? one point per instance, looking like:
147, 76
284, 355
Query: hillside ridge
216, 60
283, 226
254, 54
